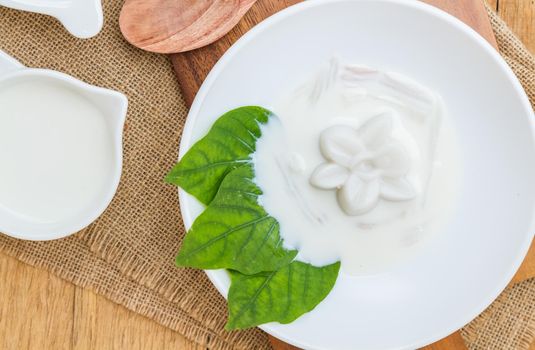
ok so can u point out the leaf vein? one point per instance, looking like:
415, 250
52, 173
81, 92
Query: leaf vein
223, 235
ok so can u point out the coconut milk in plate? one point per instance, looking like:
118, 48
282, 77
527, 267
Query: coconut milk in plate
360, 166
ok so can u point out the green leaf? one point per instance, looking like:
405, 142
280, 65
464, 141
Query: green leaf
235, 232
228, 145
281, 296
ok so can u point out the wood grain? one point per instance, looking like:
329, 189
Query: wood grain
493, 4
520, 16
41, 311
36, 308
94, 317
34, 304
527, 269
278, 344
452, 342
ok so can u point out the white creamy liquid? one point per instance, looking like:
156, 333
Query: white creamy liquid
368, 231
54, 151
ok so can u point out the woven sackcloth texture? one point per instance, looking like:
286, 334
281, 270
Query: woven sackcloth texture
127, 254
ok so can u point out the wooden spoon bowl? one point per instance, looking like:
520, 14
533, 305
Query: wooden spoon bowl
170, 26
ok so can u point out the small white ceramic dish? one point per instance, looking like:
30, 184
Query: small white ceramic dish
114, 106
468, 264
82, 18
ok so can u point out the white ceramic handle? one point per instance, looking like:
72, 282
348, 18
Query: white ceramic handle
8, 63
82, 18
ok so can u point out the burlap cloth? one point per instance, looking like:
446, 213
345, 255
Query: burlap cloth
127, 255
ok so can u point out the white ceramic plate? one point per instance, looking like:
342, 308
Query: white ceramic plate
465, 268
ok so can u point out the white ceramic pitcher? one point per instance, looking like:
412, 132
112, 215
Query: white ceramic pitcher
82, 18
113, 106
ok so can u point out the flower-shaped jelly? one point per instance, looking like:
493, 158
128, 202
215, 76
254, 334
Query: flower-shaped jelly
363, 165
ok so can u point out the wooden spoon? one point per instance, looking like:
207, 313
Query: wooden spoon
171, 26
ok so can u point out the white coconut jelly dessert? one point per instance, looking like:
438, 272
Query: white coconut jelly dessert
361, 166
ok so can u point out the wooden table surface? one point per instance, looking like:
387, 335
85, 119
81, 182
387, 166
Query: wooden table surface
40, 311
